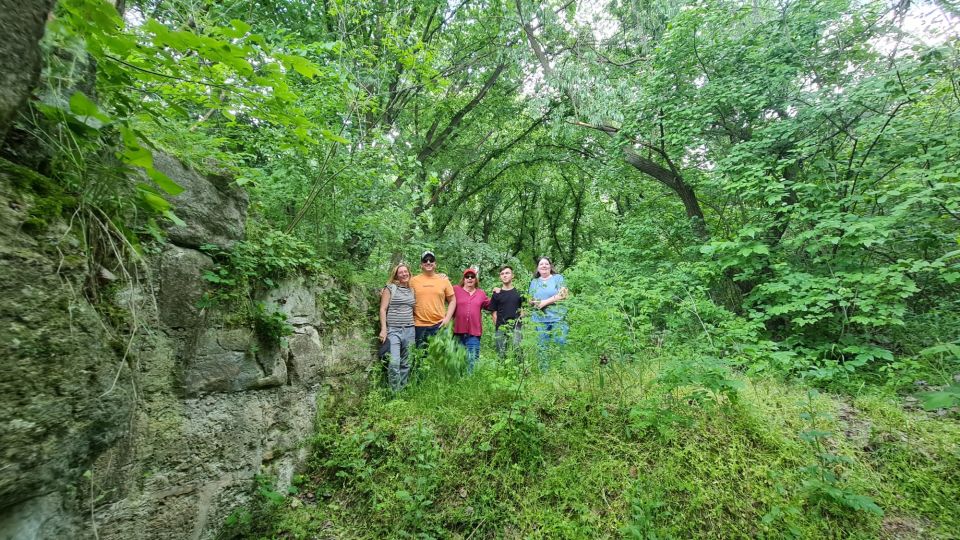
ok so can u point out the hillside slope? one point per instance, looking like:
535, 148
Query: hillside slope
654, 448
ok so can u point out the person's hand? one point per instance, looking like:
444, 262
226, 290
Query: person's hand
496, 290
442, 276
383, 335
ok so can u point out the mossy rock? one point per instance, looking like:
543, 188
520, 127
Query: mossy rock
61, 405
45, 200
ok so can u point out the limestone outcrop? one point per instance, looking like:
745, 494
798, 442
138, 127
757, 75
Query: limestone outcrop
157, 430
213, 209
66, 394
21, 27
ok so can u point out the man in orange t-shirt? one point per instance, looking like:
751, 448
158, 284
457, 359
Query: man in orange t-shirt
432, 292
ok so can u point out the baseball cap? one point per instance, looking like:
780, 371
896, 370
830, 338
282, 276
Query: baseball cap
426, 254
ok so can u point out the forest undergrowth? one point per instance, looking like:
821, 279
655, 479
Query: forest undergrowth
667, 444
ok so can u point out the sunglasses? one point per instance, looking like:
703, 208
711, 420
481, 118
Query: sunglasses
469, 276
428, 261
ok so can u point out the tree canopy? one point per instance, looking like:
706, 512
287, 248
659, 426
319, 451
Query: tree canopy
795, 160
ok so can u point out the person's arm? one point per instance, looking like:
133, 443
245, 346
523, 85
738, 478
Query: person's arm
451, 308
550, 301
492, 304
451, 295
558, 296
544, 303
384, 302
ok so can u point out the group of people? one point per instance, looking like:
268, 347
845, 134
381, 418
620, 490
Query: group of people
415, 308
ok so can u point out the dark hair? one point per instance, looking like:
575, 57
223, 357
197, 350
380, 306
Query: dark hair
504, 267
536, 273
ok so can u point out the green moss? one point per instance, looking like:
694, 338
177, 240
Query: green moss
48, 201
24, 179
916, 456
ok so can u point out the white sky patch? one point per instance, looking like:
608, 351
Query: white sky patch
134, 17
595, 15
930, 24
924, 24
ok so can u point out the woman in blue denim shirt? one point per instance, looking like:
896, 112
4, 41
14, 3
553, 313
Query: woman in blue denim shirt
547, 289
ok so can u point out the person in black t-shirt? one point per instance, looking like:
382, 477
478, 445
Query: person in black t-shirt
505, 305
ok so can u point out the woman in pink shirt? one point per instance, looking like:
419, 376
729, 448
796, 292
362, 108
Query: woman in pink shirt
467, 324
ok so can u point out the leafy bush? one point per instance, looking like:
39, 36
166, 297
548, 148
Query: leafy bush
254, 266
258, 263
445, 357
270, 325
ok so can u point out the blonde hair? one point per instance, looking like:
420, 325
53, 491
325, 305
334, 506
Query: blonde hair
393, 273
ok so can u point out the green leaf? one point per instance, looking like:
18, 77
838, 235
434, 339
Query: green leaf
329, 135
862, 503
137, 156
950, 349
164, 182
81, 105
154, 201
173, 217
104, 15
240, 28
947, 398
301, 65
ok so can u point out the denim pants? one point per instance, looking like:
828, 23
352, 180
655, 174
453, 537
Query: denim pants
472, 344
425, 332
401, 338
548, 333
502, 337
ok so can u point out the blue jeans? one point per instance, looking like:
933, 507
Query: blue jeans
425, 332
472, 344
549, 333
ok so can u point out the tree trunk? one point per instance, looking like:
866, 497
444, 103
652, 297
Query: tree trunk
676, 183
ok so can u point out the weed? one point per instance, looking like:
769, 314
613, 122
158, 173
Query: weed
243, 273
271, 326
823, 479
246, 522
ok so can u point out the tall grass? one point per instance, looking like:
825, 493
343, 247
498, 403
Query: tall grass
658, 446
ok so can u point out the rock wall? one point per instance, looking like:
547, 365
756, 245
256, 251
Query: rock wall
58, 401
21, 27
159, 436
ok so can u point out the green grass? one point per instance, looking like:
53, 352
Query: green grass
619, 451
